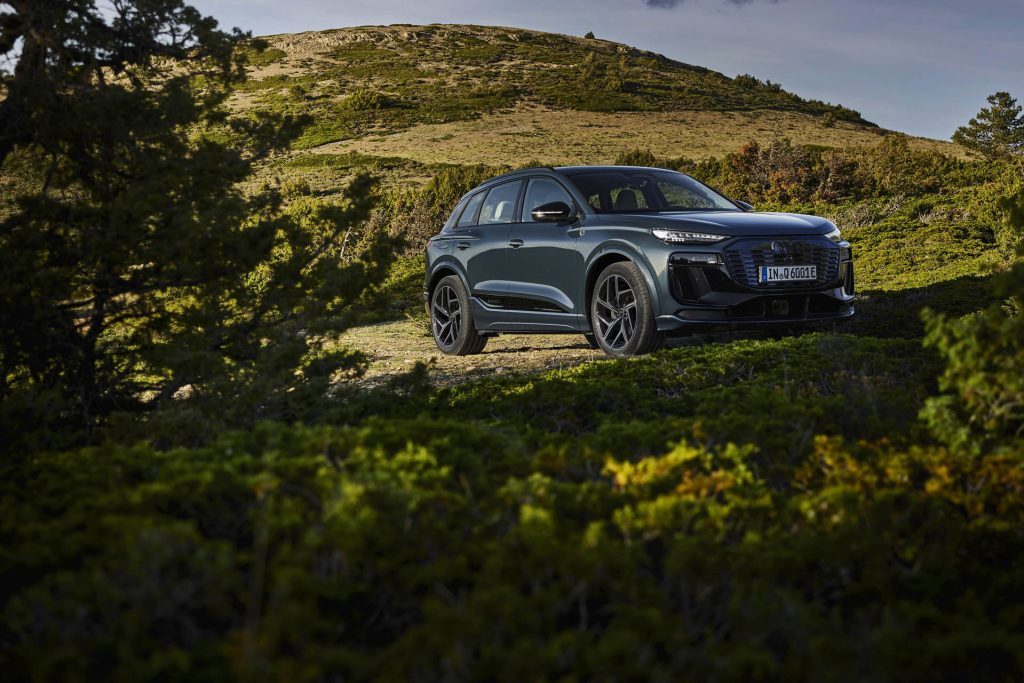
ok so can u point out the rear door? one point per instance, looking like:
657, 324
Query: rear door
481, 240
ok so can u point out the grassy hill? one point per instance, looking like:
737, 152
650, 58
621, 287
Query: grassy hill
474, 94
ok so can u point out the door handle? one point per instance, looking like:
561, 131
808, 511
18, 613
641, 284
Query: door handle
462, 245
516, 243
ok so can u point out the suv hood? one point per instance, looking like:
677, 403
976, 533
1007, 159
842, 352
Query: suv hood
728, 223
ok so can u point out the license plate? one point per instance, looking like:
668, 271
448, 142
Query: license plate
787, 273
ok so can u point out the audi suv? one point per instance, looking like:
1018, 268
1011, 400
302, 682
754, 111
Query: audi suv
625, 255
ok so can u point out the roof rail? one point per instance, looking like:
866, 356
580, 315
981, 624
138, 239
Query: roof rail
532, 169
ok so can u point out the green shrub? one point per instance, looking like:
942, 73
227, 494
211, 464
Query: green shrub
367, 100
262, 56
428, 549
983, 409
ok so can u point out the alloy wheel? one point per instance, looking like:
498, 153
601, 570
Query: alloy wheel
447, 318
616, 312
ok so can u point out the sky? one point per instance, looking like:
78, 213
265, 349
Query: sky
923, 67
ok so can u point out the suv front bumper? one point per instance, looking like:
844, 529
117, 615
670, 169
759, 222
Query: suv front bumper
725, 291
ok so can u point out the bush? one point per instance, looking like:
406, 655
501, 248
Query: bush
416, 214
983, 409
367, 100
400, 550
261, 55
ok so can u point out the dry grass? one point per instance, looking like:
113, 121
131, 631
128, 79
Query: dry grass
575, 137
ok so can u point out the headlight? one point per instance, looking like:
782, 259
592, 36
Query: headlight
677, 237
834, 235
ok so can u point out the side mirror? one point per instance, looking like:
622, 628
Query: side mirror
743, 205
554, 212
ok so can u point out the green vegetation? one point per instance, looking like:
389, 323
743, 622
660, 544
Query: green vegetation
135, 267
219, 502
997, 131
261, 55
451, 73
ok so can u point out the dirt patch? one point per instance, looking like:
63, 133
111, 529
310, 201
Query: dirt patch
395, 347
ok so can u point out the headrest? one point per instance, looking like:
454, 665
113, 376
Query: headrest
626, 201
504, 211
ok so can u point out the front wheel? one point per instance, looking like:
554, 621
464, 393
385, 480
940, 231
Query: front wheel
450, 319
621, 313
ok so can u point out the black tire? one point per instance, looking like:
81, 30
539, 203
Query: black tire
589, 336
621, 313
451, 323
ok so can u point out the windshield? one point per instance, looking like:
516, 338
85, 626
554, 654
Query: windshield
647, 191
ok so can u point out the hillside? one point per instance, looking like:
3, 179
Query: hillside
473, 94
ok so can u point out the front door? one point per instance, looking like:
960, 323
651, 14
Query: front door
545, 270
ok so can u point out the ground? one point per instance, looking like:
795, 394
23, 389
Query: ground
394, 347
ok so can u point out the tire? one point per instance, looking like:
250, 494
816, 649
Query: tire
592, 340
451, 323
621, 313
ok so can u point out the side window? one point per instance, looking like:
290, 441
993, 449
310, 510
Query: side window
500, 203
542, 191
468, 216
456, 212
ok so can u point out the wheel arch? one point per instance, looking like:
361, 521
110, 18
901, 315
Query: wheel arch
605, 257
442, 270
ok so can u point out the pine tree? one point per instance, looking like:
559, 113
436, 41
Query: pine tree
135, 271
997, 131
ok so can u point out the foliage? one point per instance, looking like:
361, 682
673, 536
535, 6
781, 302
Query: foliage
72, 57
367, 100
415, 214
997, 131
423, 549
260, 55
983, 408
137, 272
782, 173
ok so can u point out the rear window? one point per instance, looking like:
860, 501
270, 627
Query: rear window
468, 216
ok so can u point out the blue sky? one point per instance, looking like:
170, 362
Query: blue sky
919, 66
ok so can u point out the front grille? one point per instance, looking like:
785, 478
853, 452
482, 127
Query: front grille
745, 257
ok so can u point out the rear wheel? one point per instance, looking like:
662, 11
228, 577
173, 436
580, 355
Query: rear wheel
450, 320
621, 313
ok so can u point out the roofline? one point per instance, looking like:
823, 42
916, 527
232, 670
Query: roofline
519, 171
610, 167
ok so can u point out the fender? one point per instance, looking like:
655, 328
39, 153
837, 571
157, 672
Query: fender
446, 262
627, 249
443, 262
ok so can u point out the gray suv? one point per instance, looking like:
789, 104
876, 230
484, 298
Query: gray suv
625, 255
